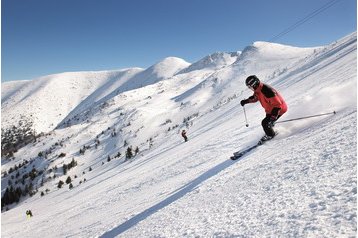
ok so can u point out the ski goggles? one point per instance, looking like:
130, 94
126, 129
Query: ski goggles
251, 87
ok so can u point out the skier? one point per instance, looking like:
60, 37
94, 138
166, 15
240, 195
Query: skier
183, 134
29, 213
270, 100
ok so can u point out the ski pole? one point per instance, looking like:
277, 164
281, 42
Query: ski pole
300, 118
247, 124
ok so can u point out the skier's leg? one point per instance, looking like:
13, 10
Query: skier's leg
268, 129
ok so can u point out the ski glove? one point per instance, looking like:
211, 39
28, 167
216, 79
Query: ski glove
271, 121
274, 113
243, 102
273, 118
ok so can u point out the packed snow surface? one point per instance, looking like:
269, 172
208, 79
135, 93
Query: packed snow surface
303, 183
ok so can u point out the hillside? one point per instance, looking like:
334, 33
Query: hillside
302, 183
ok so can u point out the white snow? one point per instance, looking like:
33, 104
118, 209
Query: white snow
301, 184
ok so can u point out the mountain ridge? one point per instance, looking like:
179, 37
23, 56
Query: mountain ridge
137, 78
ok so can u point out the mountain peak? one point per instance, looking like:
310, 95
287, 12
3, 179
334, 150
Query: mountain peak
214, 61
167, 67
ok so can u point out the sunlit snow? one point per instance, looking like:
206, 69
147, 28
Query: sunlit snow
301, 184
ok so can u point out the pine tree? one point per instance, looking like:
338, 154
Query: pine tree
68, 180
65, 167
72, 164
60, 183
129, 153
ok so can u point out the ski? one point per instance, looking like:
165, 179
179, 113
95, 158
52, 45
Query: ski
240, 153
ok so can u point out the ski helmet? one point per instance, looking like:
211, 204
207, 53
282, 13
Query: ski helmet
252, 81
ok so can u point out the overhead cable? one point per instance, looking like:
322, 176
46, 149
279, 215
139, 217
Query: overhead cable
303, 20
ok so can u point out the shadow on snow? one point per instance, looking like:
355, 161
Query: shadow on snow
179, 193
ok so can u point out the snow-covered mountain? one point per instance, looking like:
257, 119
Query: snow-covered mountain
301, 184
54, 98
215, 61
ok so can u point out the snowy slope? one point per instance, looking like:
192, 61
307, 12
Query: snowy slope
302, 184
47, 99
35, 99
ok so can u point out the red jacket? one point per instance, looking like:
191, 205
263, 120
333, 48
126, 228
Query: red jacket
270, 100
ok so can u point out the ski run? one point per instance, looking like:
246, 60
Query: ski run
303, 183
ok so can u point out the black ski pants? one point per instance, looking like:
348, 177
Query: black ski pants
268, 126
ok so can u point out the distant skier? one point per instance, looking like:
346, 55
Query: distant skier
183, 134
270, 100
28, 213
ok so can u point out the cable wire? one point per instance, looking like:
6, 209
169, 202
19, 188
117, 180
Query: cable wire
303, 20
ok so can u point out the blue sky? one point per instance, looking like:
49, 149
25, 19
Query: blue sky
41, 37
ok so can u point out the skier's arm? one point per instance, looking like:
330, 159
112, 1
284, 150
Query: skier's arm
274, 113
276, 104
251, 99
